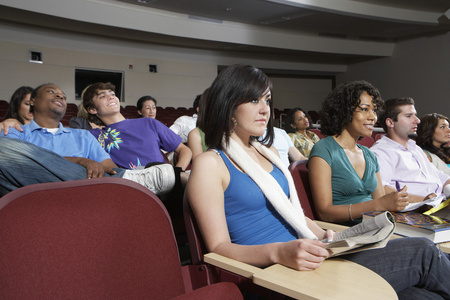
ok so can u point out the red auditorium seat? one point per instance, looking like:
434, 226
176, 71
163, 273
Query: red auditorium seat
367, 141
317, 131
299, 173
104, 238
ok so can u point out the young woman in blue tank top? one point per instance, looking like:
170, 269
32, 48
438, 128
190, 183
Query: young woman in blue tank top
240, 216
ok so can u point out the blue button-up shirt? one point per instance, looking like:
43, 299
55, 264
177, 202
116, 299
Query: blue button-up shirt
66, 142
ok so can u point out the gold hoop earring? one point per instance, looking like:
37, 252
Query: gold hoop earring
234, 125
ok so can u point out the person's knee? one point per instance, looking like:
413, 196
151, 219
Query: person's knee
9, 144
6, 144
426, 247
418, 242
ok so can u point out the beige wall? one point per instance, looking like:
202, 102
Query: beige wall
418, 68
300, 92
176, 83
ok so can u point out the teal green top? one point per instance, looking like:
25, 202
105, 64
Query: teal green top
202, 136
347, 187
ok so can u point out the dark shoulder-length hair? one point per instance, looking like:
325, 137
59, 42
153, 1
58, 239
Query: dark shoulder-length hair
233, 86
339, 105
141, 101
425, 133
201, 109
16, 101
290, 119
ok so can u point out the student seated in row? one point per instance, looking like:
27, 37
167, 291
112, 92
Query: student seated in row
81, 120
19, 105
132, 143
297, 125
402, 162
146, 107
45, 151
196, 137
184, 124
19, 110
433, 136
246, 205
344, 175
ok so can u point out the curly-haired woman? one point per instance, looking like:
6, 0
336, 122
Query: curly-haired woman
433, 136
344, 176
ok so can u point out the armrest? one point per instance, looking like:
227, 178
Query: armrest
335, 279
231, 265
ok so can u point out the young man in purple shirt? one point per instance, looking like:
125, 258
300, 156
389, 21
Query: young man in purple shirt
401, 161
130, 142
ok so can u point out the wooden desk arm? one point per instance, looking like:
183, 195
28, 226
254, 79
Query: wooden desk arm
231, 265
335, 279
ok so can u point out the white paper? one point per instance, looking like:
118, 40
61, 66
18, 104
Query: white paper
431, 202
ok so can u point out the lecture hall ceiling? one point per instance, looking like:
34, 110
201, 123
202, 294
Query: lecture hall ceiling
377, 22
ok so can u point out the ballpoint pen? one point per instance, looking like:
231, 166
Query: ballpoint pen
397, 185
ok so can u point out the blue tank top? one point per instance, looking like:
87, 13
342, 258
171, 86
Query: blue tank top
251, 219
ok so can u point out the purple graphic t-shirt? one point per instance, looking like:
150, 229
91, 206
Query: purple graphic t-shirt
136, 142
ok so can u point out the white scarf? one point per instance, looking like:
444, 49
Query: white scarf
289, 209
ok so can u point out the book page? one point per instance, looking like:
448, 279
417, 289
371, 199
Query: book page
370, 234
366, 227
431, 202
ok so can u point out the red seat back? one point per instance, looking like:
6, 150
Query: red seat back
106, 238
299, 173
317, 131
196, 245
367, 141
379, 135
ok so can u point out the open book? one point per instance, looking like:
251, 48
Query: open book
434, 226
370, 234
437, 202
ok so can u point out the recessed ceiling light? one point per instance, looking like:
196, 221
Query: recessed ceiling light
286, 18
142, 1
228, 9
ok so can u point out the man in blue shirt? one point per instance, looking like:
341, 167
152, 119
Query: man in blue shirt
45, 151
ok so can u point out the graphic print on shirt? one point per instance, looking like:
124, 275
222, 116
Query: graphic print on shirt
134, 166
110, 139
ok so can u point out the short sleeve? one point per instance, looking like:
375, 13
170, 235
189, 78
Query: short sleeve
322, 149
169, 139
14, 134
